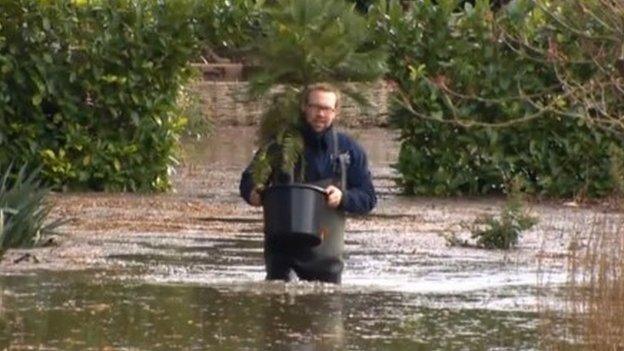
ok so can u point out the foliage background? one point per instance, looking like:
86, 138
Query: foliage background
91, 90
88, 90
227, 27
479, 108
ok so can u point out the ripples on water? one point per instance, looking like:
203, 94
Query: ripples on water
208, 293
205, 290
92, 311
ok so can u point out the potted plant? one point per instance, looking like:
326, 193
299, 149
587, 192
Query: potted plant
304, 42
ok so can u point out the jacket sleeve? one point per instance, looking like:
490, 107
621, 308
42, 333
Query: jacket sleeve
360, 197
246, 183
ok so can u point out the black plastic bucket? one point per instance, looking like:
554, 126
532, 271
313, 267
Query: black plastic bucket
293, 213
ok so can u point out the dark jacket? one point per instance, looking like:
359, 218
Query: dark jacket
360, 196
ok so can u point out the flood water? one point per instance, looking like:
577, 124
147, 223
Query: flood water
87, 311
201, 287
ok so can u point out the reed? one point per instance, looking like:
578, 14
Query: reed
593, 308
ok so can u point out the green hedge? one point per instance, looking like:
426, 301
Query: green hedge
227, 27
88, 90
469, 127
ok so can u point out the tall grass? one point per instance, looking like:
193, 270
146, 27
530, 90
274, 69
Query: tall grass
23, 209
594, 298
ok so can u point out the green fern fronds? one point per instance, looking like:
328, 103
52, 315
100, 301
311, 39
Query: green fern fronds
261, 167
292, 149
283, 114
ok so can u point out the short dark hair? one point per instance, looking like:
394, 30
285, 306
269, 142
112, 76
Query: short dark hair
326, 87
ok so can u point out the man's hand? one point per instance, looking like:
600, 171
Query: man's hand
334, 196
254, 198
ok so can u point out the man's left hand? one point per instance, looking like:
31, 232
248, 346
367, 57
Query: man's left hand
334, 196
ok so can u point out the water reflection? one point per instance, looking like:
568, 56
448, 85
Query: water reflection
308, 322
71, 312
202, 288
89, 311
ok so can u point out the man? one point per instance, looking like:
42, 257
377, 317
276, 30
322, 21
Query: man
330, 157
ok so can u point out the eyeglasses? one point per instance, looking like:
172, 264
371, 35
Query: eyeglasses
321, 108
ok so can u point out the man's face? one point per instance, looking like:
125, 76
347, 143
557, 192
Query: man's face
320, 110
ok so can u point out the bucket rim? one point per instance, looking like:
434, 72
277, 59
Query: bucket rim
297, 185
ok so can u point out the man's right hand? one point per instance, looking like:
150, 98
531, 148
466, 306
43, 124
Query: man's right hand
254, 198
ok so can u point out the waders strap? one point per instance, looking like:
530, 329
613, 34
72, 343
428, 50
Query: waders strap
339, 162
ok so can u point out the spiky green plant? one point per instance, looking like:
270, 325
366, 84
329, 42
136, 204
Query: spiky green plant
281, 143
503, 232
500, 231
307, 41
23, 209
304, 42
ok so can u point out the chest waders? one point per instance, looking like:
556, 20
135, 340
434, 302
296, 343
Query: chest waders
325, 261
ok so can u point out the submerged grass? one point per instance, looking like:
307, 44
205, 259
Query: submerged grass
593, 315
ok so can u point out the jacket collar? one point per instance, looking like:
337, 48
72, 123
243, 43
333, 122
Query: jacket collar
315, 139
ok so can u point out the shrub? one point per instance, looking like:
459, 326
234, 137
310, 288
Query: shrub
227, 27
89, 90
476, 113
501, 231
198, 124
23, 209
